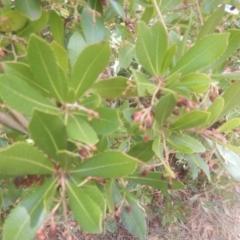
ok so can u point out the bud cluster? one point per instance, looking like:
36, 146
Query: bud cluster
144, 118
188, 104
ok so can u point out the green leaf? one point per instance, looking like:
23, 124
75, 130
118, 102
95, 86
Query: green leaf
168, 58
203, 53
75, 46
209, 6
193, 80
113, 87
190, 120
150, 47
110, 164
61, 56
22, 159
126, 54
13, 21
144, 86
57, 27
212, 22
107, 122
91, 102
29, 8
133, 218
231, 98
164, 108
24, 72
154, 179
96, 195
34, 26
230, 160
93, 26
229, 125
45, 68
118, 7
80, 130
25, 97
85, 210
103, 144
29, 215
215, 109
49, 132
198, 161
142, 151
232, 75
90, 63
186, 141
233, 44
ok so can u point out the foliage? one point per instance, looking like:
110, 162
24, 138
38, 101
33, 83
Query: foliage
102, 98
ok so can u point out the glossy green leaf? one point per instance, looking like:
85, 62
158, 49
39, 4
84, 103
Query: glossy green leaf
229, 125
190, 120
233, 44
232, 75
113, 87
168, 57
92, 101
133, 218
93, 27
197, 160
25, 98
164, 108
186, 141
150, 47
107, 122
57, 27
31, 9
230, 160
61, 55
90, 63
23, 158
154, 179
203, 53
215, 109
34, 26
118, 8
48, 132
75, 46
80, 130
193, 80
47, 72
125, 57
144, 85
12, 21
96, 195
212, 22
28, 216
24, 72
110, 164
103, 144
231, 98
142, 151
209, 6
85, 210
